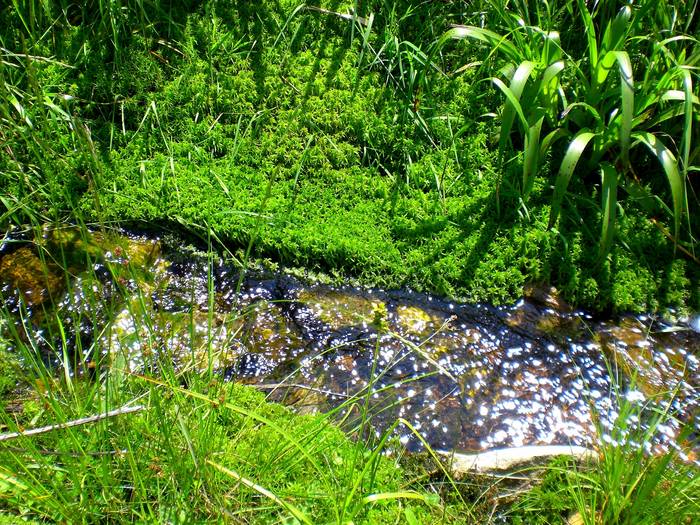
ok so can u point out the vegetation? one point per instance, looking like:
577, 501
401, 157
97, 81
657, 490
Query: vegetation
456, 147
557, 94
627, 485
347, 144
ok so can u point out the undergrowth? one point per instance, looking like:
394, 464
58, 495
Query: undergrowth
316, 136
360, 151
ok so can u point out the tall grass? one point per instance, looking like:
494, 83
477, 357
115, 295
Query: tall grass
207, 451
634, 480
632, 87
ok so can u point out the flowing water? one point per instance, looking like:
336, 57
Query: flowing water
467, 377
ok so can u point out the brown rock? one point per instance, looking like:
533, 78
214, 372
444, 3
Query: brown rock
35, 280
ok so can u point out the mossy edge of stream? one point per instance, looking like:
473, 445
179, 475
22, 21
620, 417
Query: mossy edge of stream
294, 149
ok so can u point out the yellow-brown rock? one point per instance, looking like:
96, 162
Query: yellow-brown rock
35, 280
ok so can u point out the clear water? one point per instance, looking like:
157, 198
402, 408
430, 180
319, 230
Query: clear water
467, 377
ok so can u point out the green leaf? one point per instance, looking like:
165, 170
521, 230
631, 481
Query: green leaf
675, 179
589, 109
678, 95
566, 170
552, 71
687, 121
549, 84
550, 139
496, 41
531, 158
616, 31
512, 105
19, 108
590, 33
627, 96
608, 175
552, 48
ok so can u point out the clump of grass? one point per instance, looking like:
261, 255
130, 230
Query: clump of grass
634, 480
633, 85
173, 444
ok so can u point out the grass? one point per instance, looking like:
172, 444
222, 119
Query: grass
338, 141
602, 112
627, 484
379, 163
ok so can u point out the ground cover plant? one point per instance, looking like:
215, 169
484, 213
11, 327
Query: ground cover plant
464, 148
365, 141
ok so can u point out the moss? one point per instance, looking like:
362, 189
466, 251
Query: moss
290, 139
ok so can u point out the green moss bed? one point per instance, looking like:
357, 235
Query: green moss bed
278, 126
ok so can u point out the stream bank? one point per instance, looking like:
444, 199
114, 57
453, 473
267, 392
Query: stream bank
468, 377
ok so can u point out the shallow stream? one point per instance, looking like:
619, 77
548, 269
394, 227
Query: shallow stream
467, 377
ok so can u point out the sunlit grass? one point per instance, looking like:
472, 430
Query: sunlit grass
613, 122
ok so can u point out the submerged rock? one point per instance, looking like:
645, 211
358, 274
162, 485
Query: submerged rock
80, 247
651, 366
546, 296
417, 321
35, 280
339, 309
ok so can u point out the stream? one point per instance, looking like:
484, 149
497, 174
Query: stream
467, 377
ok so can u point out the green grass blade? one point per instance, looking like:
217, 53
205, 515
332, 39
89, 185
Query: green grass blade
675, 179
406, 494
616, 31
590, 33
608, 175
599, 124
687, 121
512, 106
298, 514
531, 158
552, 47
678, 95
552, 71
568, 165
550, 138
550, 84
627, 96
496, 41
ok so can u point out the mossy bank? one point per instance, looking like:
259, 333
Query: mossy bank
286, 130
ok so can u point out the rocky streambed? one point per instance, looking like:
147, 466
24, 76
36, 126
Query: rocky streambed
466, 377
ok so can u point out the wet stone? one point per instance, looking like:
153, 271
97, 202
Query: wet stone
648, 358
35, 280
82, 247
545, 296
419, 322
338, 309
